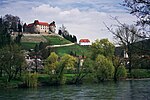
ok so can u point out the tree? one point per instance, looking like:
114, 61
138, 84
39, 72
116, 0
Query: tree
74, 39
5, 37
120, 71
8, 24
104, 68
24, 27
11, 60
36, 54
141, 9
103, 47
11, 22
18, 38
125, 36
41, 46
36, 48
60, 32
66, 62
83, 70
19, 27
51, 63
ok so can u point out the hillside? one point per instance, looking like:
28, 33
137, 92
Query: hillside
29, 42
36, 38
56, 40
75, 49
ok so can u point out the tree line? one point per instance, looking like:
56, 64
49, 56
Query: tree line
63, 32
11, 56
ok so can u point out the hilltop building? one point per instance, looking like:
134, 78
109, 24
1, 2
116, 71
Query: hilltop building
40, 27
84, 42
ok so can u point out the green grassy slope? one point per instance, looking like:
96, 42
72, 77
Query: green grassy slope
79, 50
30, 42
56, 40
28, 45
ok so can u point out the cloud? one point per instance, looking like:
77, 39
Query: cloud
45, 8
84, 19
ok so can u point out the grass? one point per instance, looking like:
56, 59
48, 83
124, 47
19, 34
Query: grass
29, 42
69, 75
56, 40
28, 45
79, 50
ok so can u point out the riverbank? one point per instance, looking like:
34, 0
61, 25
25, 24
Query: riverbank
44, 82
122, 90
40, 80
129, 79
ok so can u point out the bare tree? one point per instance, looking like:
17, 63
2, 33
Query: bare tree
125, 35
141, 9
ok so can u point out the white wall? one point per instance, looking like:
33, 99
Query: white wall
85, 43
42, 28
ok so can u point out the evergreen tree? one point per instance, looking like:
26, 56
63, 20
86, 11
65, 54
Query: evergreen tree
41, 46
18, 38
19, 27
24, 27
74, 38
5, 37
60, 32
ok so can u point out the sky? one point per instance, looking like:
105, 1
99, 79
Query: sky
82, 18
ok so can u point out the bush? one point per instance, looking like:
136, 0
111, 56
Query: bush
121, 72
55, 80
104, 68
31, 79
43, 79
139, 73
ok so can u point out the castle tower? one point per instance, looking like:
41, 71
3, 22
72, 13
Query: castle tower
52, 27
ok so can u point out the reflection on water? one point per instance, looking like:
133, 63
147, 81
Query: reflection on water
124, 90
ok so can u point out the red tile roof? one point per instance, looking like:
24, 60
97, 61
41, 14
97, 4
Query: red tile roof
43, 23
36, 22
40, 23
84, 40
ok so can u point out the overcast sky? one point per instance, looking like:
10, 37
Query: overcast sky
83, 18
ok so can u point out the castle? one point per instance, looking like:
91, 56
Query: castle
40, 27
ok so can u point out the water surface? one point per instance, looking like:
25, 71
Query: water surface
124, 90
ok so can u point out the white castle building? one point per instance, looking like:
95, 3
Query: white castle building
40, 27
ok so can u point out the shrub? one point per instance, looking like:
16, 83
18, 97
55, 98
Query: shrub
104, 68
139, 73
121, 72
31, 79
55, 80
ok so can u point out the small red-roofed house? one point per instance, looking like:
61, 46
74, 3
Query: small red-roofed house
84, 42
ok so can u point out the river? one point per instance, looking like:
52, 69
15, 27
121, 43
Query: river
123, 90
